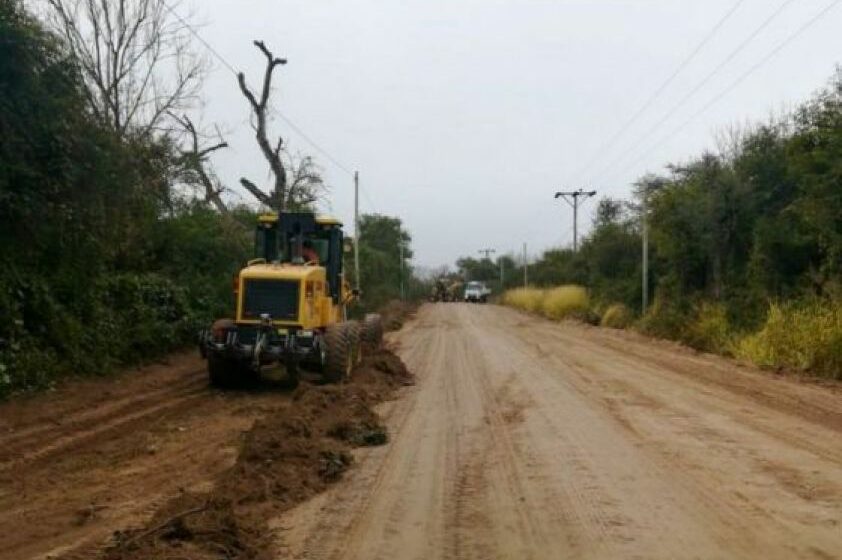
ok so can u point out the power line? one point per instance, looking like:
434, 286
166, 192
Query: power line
733, 54
657, 93
718, 97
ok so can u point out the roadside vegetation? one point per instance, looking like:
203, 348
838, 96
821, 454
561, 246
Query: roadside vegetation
116, 242
558, 303
745, 247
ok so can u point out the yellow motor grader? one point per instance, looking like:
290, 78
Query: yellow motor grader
291, 308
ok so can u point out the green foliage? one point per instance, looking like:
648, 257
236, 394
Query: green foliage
709, 329
665, 319
486, 270
101, 264
729, 233
803, 336
381, 269
608, 261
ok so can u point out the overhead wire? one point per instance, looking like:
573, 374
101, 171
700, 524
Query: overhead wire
658, 91
733, 85
698, 87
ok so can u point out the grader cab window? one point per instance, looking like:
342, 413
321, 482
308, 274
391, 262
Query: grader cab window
266, 243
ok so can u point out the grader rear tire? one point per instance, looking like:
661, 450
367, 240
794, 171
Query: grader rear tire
338, 357
372, 332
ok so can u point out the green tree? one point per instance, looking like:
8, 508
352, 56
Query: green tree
383, 240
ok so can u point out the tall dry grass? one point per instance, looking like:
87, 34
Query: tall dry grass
554, 303
564, 301
617, 316
801, 336
806, 337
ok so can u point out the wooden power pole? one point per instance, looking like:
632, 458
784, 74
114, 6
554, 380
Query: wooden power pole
357, 229
572, 198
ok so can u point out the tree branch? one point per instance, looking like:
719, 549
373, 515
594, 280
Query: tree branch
256, 192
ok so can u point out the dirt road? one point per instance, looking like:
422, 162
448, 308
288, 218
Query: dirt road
522, 439
529, 439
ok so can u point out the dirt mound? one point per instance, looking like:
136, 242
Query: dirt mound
396, 313
291, 454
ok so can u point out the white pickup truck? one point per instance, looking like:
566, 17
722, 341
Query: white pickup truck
476, 292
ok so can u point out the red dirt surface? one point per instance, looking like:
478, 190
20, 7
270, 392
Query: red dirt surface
121, 453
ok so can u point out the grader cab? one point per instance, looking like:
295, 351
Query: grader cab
291, 308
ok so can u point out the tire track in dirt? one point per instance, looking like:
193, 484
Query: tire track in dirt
117, 449
16, 438
568, 441
321, 528
696, 431
701, 376
502, 446
37, 448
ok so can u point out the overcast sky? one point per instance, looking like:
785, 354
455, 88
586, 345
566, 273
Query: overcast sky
465, 116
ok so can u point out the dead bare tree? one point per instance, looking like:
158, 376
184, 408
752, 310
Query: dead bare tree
194, 166
306, 185
135, 57
259, 108
298, 182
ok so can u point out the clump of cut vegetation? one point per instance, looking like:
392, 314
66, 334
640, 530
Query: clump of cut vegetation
617, 316
806, 337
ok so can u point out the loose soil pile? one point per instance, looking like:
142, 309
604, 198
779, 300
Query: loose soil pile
296, 451
396, 313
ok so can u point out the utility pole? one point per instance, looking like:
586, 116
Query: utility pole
502, 273
400, 249
487, 252
645, 227
357, 228
525, 268
572, 198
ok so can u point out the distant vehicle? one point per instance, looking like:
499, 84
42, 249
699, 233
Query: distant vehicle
476, 292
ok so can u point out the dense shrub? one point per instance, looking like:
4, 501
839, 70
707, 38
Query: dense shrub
728, 233
709, 329
665, 319
805, 336
103, 260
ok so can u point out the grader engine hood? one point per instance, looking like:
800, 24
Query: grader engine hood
287, 293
